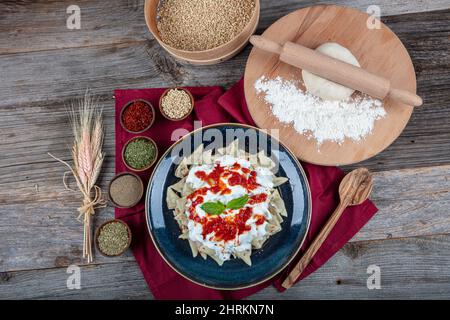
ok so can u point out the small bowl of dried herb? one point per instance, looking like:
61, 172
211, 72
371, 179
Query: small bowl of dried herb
125, 190
137, 116
139, 153
176, 104
113, 238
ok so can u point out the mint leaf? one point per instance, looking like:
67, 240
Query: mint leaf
216, 208
237, 203
213, 208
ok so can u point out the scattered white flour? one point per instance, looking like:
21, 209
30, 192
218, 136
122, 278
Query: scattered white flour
318, 118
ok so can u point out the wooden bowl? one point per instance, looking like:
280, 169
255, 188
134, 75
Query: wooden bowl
150, 164
97, 233
379, 51
176, 119
204, 57
126, 106
118, 176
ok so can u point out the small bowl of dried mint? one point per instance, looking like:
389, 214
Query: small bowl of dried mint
139, 153
113, 238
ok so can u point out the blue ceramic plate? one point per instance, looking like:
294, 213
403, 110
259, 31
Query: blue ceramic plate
278, 250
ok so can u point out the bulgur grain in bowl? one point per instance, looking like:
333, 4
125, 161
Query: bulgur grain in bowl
214, 30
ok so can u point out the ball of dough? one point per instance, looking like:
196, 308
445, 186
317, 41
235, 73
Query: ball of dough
324, 88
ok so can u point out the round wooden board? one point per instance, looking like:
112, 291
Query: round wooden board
377, 50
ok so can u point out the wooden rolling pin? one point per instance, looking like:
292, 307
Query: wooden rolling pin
337, 71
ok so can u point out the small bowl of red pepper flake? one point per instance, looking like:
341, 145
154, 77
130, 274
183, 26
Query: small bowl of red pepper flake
137, 116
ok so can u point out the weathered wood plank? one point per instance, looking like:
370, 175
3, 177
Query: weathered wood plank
41, 25
62, 74
28, 136
412, 202
109, 281
39, 229
413, 268
418, 271
31, 130
426, 134
123, 20
37, 224
43, 81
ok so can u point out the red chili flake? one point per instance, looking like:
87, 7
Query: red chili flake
236, 166
257, 198
227, 229
239, 180
259, 219
137, 116
234, 178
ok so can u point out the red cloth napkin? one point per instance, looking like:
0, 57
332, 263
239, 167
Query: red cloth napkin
212, 105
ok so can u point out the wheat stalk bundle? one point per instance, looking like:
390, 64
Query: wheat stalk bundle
87, 125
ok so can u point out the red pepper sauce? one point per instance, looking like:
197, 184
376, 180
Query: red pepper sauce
249, 183
229, 227
257, 198
259, 219
234, 178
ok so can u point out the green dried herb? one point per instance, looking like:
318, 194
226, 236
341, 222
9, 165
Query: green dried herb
113, 238
139, 153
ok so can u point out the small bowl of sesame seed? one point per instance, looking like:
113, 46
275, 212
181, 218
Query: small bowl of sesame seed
176, 104
139, 153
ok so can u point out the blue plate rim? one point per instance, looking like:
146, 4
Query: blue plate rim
308, 189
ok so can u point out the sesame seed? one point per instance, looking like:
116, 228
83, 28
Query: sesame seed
176, 104
196, 25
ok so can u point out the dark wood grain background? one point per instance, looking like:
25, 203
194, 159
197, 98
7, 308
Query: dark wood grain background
43, 66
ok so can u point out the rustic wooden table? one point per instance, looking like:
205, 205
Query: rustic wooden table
43, 65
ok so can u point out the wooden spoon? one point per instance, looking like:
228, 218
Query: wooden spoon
354, 189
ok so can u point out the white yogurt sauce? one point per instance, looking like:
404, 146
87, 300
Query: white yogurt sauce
225, 249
